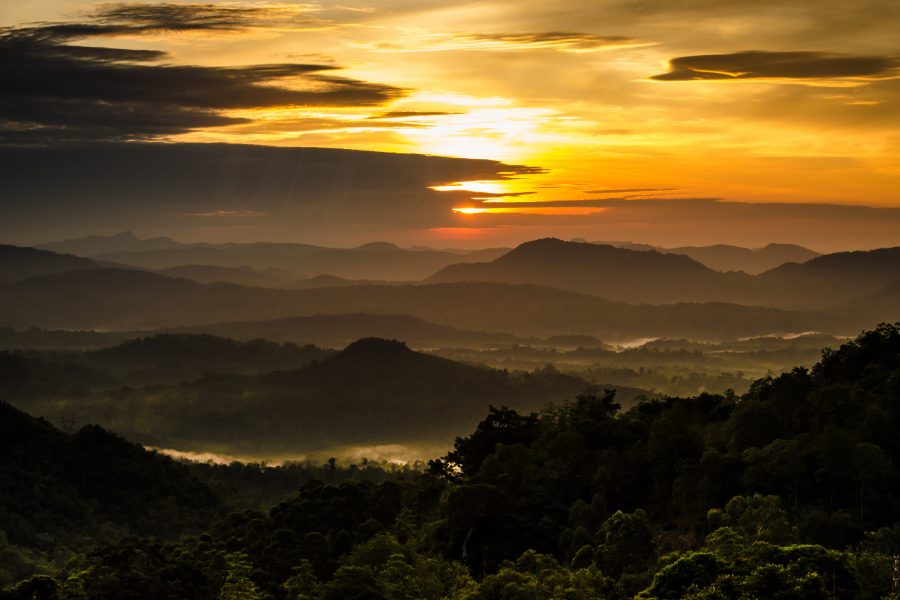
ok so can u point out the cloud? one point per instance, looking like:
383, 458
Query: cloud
630, 190
55, 91
226, 214
285, 193
548, 40
194, 17
408, 114
778, 65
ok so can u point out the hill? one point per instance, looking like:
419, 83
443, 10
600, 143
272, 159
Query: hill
373, 393
658, 278
179, 357
93, 245
833, 278
18, 263
237, 275
133, 300
331, 281
341, 329
374, 261
723, 257
605, 271
67, 492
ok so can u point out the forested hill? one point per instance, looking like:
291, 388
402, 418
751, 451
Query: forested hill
787, 492
61, 493
374, 392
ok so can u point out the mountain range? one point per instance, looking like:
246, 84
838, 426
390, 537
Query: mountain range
115, 299
648, 276
373, 261
541, 288
724, 257
374, 392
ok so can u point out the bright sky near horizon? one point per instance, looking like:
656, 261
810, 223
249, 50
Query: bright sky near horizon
749, 102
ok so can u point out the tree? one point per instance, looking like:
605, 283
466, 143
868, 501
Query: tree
238, 585
627, 543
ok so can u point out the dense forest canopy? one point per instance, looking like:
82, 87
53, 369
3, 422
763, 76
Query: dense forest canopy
787, 491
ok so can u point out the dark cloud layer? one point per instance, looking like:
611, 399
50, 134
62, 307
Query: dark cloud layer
190, 17
290, 192
55, 90
777, 65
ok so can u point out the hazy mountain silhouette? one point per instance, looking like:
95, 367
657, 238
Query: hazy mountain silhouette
654, 277
36, 338
373, 261
605, 271
18, 263
239, 275
340, 330
725, 257
331, 281
177, 357
832, 278
882, 305
93, 245
136, 300
373, 392
722, 257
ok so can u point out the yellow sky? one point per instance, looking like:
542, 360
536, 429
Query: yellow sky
567, 86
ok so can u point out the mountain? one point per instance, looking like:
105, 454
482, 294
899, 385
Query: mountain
172, 358
255, 255
18, 263
374, 261
725, 258
89, 487
374, 392
641, 276
330, 281
605, 271
112, 299
833, 279
101, 244
883, 305
35, 338
239, 275
339, 330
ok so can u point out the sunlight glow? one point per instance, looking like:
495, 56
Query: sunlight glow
484, 187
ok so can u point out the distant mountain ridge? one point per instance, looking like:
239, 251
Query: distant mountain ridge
839, 277
338, 330
239, 275
18, 263
373, 392
372, 261
753, 261
639, 276
125, 241
725, 257
605, 271
112, 299
542, 288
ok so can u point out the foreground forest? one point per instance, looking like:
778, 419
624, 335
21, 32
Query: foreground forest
787, 491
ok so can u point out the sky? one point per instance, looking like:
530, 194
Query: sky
669, 122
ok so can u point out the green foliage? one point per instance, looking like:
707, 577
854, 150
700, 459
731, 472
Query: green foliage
238, 585
785, 493
539, 577
627, 543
